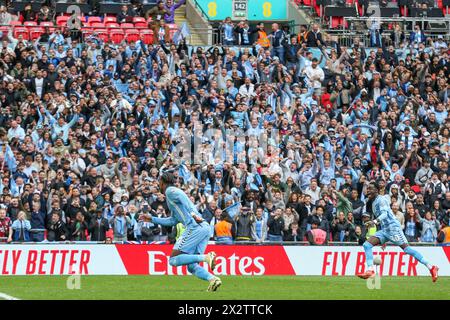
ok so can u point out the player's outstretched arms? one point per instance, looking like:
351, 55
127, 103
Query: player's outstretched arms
166, 222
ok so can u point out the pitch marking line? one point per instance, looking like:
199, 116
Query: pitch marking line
7, 297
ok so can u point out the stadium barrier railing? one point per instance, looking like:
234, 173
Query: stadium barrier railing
249, 243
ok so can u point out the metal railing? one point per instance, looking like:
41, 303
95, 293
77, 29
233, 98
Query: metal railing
199, 7
249, 243
215, 36
407, 23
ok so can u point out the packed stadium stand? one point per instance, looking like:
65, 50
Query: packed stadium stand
97, 99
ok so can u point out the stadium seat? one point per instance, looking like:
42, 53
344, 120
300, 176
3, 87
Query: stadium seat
15, 23
139, 19
108, 20
49, 25
318, 11
147, 36
403, 11
87, 31
30, 23
21, 31
335, 22
112, 25
36, 33
61, 20
117, 36
132, 35
127, 26
141, 25
360, 10
103, 34
46, 24
4, 29
92, 20
97, 25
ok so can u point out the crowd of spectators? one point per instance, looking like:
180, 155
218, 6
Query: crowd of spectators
271, 143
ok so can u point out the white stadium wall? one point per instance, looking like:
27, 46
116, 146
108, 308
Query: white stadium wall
141, 259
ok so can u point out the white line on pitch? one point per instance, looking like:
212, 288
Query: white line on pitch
7, 297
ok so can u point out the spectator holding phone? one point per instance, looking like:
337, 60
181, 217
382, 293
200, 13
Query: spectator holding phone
120, 224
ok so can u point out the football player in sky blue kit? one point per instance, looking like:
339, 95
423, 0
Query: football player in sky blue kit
190, 247
391, 230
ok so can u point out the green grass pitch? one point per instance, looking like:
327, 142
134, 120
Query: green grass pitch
233, 287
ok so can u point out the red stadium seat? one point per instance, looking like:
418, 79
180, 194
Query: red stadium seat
138, 19
15, 23
117, 35
46, 24
30, 23
127, 26
132, 35
141, 25
360, 10
317, 9
36, 33
108, 20
87, 31
403, 11
61, 20
91, 20
4, 29
112, 25
344, 23
147, 36
97, 25
335, 22
21, 31
103, 34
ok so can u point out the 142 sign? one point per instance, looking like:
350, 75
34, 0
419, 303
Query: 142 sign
240, 9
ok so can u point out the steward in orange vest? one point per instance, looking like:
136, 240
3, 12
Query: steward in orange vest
262, 38
444, 234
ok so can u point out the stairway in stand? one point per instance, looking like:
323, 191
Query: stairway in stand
180, 18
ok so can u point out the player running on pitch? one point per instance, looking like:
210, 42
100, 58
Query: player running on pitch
190, 247
391, 230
